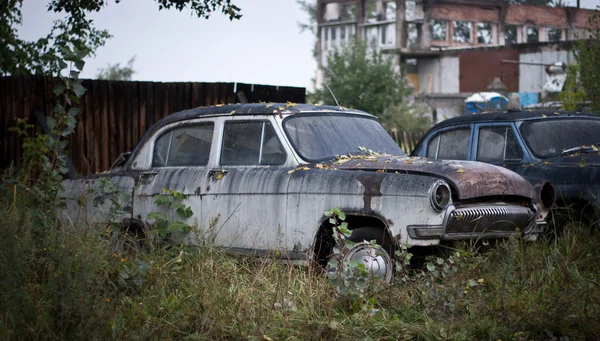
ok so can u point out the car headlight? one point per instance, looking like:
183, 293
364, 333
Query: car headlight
439, 195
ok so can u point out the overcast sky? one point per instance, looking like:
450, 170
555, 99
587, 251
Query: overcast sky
264, 47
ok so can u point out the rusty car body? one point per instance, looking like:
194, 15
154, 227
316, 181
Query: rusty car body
562, 147
270, 171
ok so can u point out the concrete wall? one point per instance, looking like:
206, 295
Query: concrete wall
533, 77
442, 73
445, 105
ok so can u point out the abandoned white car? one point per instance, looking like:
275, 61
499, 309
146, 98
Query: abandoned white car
270, 171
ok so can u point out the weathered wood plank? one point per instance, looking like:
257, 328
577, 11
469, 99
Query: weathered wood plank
114, 115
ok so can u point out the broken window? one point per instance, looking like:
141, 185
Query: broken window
484, 33
390, 10
251, 143
348, 12
510, 34
371, 12
333, 35
450, 145
554, 34
183, 147
498, 144
409, 9
388, 34
533, 35
438, 29
462, 31
412, 36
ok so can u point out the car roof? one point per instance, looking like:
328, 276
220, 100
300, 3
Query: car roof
250, 109
510, 116
254, 109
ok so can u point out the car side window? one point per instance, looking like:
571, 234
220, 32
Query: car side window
498, 144
450, 145
251, 143
188, 146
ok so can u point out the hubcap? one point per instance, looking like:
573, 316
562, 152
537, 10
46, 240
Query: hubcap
376, 259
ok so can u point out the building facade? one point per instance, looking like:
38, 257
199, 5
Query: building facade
451, 48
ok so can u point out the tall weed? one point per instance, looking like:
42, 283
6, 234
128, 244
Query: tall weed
70, 285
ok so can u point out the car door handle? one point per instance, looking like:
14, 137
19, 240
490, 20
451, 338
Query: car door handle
148, 174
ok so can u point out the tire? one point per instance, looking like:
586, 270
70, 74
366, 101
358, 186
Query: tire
378, 260
129, 241
570, 222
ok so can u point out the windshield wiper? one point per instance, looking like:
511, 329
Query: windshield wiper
575, 150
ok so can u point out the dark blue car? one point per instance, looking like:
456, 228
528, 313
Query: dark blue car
562, 147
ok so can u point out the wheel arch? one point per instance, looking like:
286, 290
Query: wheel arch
323, 240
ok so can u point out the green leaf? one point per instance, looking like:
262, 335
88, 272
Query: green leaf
472, 283
73, 112
59, 88
64, 170
51, 122
59, 108
79, 64
344, 229
74, 74
62, 64
78, 89
80, 54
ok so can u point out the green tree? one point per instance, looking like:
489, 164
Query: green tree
572, 93
116, 72
587, 53
75, 32
362, 78
409, 117
310, 7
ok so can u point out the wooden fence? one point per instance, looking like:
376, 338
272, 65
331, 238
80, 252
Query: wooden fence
114, 115
406, 140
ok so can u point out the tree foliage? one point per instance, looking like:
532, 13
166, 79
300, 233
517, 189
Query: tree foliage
572, 94
76, 31
362, 78
587, 53
116, 72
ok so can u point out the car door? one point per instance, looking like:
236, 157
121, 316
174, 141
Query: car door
498, 144
246, 188
178, 162
452, 143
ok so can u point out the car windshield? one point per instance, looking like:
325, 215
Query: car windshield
323, 137
548, 138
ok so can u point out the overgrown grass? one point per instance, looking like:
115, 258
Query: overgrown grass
67, 284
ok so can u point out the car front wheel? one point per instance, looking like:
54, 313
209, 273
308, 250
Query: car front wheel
377, 256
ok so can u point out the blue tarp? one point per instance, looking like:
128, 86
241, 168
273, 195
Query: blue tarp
528, 98
485, 101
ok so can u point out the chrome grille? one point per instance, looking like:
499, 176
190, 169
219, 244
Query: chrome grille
489, 219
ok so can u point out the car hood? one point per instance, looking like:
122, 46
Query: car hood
469, 179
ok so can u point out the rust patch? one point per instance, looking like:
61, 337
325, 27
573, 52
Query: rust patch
372, 184
470, 179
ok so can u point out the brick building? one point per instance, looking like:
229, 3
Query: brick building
451, 48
